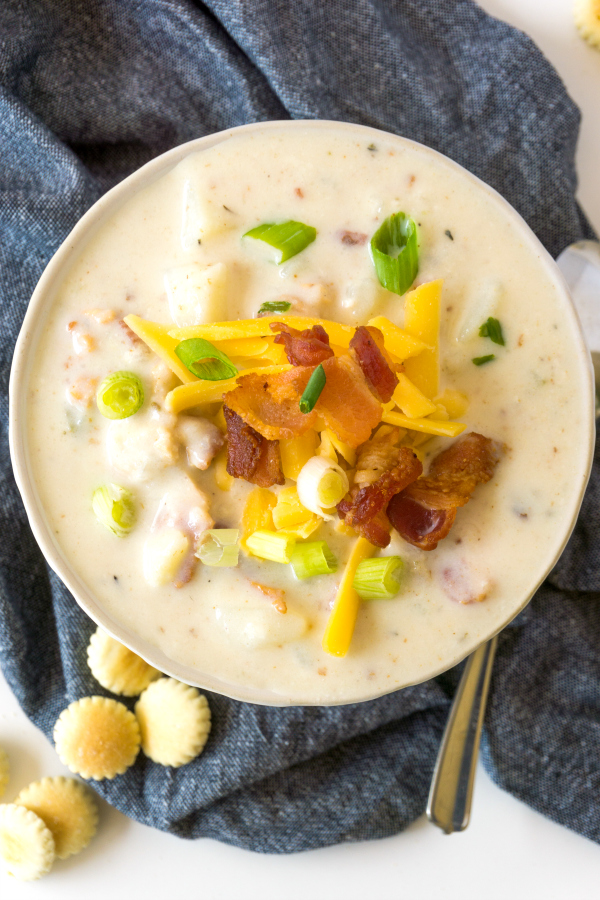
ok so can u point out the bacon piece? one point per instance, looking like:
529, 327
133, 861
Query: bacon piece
351, 238
424, 512
250, 455
384, 468
420, 525
270, 404
346, 403
303, 348
369, 351
275, 595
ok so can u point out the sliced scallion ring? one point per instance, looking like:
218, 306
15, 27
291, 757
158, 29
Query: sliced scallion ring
313, 558
219, 547
114, 508
321, 484
120, 395
274, 545
205, 360
289, 238
313, 389
395, 253
379, 578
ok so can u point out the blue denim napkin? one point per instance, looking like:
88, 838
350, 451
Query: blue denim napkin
89, 91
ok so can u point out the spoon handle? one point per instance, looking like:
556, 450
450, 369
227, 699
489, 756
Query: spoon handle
449, 804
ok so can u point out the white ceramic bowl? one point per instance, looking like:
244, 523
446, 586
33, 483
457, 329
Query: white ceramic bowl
44, 294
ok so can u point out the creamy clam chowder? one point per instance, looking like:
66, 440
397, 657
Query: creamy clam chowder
188, 480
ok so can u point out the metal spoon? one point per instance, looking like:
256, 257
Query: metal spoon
449, 804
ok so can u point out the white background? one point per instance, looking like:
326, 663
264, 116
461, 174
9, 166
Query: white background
507, 852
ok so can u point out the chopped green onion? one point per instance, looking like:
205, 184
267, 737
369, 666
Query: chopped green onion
274, 545
492, 329
395, 253
289, 238
379, 578
274, 307
313, 389
321, 484
482, 360
120, 395
313, 558
219, 547
204, 360
114, 508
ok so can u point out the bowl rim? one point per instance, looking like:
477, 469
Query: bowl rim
46, 287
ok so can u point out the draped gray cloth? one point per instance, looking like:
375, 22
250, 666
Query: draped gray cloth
92, 89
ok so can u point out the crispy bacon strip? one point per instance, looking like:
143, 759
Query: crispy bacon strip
383, 466
303, 348
346, 403
250, 455
424, 512
369, 351
270, 404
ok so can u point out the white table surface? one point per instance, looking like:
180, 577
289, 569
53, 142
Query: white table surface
508, 850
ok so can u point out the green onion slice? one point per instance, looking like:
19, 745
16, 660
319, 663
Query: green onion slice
120, 395
378, 578
482, 360
204, 360
492, 329
313, 558
219, 547
289, 238
274, 307
114, 508
395, 253
313, 389
274, 545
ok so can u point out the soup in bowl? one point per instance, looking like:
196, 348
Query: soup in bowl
301, 413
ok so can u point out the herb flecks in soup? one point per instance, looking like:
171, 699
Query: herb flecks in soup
313, 446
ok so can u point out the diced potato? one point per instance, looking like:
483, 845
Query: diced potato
295, 452
141, 449
261, 627
202, 216
361, 299
479, 308
201, 439
197, 294
164, 553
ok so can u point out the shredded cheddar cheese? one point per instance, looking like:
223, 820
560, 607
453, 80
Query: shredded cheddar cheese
422, 320
342, 619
